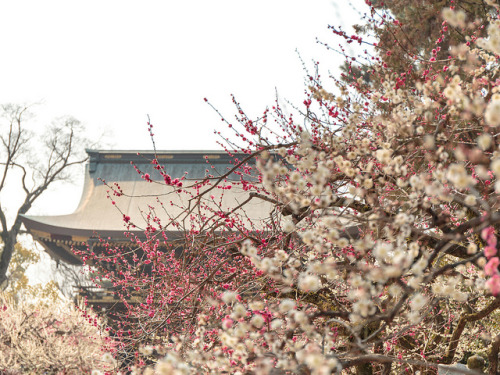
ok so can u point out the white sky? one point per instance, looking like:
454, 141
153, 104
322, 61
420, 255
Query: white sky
109, 63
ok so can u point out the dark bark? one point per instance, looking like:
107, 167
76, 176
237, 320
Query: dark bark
9, 239
462, 322
8, 249
493, 356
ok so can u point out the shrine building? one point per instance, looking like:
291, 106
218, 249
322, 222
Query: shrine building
100, 213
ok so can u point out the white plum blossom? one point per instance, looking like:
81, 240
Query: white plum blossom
257, 321
418, 301
288, 225
309, 283
492, 114
239, 311
454, 17
484, 141
495, 167
229, 296
384, 156
286, 305
382, 250
458, 175
470, 200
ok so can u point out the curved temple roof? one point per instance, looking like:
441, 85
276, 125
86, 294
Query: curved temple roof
96, 214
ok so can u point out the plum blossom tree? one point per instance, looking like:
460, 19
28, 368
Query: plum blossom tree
51, 337
379, 253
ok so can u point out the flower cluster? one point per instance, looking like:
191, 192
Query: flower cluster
50, 337
376, 248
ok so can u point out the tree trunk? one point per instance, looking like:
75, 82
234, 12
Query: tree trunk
9, 241
364, 369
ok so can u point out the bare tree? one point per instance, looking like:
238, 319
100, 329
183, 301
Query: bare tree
33, 161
